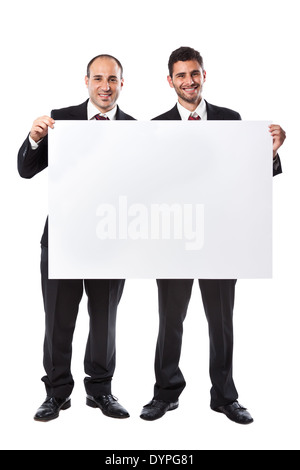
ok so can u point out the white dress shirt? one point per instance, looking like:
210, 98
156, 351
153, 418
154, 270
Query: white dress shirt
92, 110
200, 111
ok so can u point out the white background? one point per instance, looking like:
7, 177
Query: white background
250, 51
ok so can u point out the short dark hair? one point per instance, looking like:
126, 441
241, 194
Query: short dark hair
183, 54
107, 56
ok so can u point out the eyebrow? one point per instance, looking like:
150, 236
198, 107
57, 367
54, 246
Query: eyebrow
110, 76
184, 73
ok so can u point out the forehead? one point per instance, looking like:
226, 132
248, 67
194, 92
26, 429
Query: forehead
105, 66
186, 66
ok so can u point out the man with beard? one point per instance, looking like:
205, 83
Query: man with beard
187, 76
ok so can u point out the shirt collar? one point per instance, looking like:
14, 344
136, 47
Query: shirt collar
200, 110
92, 110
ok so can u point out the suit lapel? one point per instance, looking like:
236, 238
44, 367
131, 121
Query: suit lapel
120, 116
173, 114
79, 112
212, 112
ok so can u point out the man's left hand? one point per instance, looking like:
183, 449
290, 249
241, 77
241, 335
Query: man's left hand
278, 135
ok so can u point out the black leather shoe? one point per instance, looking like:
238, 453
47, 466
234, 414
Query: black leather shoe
51, 407
235, 412
109, 406
155, 409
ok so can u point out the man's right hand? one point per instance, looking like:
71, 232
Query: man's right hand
40, 127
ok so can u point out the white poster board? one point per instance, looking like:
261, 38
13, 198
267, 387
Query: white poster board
160, 199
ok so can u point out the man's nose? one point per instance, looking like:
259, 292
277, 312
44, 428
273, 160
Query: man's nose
105, 85
190, 80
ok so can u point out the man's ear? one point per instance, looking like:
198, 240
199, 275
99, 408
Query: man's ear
169, 78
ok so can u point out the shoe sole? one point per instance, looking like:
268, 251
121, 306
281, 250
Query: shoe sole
232, 419
240, 422
50, 418
173, 407
93, 404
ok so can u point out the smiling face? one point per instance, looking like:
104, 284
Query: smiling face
187, 80
104, 83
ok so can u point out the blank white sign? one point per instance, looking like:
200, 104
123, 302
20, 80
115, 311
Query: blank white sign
160, 199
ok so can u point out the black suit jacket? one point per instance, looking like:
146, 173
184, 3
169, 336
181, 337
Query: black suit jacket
31, 162
215, 113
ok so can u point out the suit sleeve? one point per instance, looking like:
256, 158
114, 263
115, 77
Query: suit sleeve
31, 162
277, 169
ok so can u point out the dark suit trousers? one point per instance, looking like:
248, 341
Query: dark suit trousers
61, 303
218, 302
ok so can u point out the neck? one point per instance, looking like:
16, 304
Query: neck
103, 111
190, 106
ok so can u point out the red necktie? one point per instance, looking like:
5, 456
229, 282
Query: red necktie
192, 118
101, 118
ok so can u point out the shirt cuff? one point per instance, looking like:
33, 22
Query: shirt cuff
34, 145
276, 163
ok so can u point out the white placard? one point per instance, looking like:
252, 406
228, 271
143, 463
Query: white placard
160, 199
